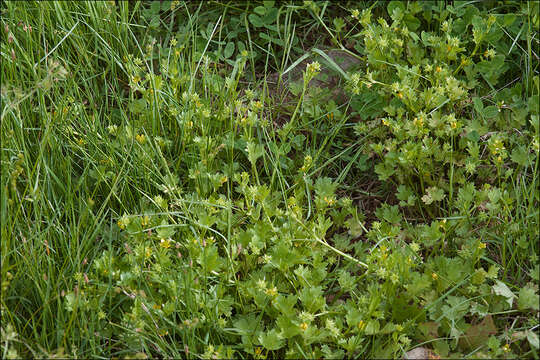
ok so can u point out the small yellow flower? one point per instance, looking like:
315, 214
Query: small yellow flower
434, 276
123, 222
304, 326
258, 350
361, 324
313, 67
258, 105
140, 138
145, 220
165, 243
506, 348
482, 245
438, 69
271, 291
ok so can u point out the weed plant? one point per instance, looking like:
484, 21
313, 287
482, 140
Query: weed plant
161, 199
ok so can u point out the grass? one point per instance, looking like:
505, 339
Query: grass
81, 149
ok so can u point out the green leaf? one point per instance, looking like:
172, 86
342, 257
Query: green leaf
478, 106
508, 19
70, 302
433, 194
501, 289
395, 5
384, 170
405, 195
346, 281
287, 327
389, 213
338, 24
138, 106
165, 231
255, 20
254, 151
245, 324
372, 327
477, 335
533, 339
261, 10
490, 112
212, 259
285, 304
520, 155
312, 298
273, 39
412, 22
271, 16
271, 340
229, 50
325, 187
528, 299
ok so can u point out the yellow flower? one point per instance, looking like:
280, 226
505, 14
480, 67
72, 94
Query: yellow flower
145, 220
165, 243
271, 291
304, 326
482, 245
434, 276
123, 222
140, 138
361, 325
